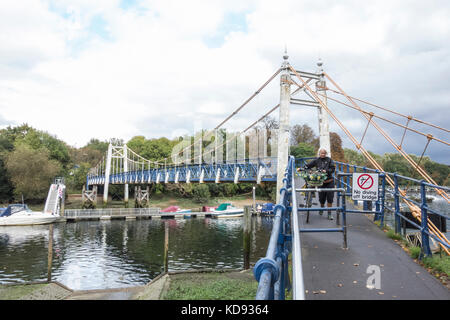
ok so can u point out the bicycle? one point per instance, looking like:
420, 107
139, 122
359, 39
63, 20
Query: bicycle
313, 178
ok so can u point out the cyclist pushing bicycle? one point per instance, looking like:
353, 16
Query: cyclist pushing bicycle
326, 165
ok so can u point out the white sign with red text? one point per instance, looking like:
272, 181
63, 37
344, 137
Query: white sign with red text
365, 186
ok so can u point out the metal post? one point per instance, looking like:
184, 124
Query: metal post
107, 173
377, 215
50, 253
166, 247
355, 202
125, 169
348, 179
247, 236
324, 131
397, 205
424, 223
284, 130
254, 200
344, 223
383, 197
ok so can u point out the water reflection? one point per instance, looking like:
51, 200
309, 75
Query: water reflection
121, 253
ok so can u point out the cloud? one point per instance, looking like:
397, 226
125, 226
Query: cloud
83, 69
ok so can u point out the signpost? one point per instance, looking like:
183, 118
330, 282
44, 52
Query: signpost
365, 186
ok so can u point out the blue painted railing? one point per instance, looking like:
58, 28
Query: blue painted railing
249, 170
380, 205
271, 272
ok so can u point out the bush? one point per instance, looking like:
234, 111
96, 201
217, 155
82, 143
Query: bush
215, 190
229, 189
31, 172
201, 193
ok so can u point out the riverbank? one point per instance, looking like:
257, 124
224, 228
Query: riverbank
186, 285
163, 201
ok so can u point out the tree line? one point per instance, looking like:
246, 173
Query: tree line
30, 159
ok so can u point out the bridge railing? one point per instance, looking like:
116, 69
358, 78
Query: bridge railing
271, 272
245, 170
390, 200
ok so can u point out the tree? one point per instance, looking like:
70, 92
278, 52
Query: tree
6, 187
95, 144
337, 152
153, 149
302, 134
86, 154
77, 176
394, 162
439, 172
36, 139
353, 157
303, 150
201, 193
31, 171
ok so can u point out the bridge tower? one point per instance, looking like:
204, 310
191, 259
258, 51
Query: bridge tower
324, 130
284, 128
115, 152
107, 174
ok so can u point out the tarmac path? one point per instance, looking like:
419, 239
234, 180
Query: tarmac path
331, 272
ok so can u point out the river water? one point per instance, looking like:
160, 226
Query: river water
122, 253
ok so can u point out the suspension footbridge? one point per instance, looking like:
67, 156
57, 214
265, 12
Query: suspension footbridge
265, 159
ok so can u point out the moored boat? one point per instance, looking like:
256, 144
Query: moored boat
21, 215
175, 209
227, 210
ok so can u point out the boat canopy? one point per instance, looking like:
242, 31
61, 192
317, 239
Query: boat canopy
13, 208
223, 206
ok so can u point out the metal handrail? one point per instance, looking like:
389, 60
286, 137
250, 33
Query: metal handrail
425, 232
298, 288
271, 272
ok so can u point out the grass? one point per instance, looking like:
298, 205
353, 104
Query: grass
158, 200
212, 286
414, 252
436, 264
164, 200
393, 235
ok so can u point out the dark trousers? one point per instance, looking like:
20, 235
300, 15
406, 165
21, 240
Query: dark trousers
327, 196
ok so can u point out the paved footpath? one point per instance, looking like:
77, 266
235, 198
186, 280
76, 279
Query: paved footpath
331, 272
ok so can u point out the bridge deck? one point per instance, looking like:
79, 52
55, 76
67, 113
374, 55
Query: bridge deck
331, 272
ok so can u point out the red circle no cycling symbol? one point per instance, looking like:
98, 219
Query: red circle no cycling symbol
365, 181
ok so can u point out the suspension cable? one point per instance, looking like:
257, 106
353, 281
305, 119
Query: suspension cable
382, 118
249, 99
422, 172
414, 208
394, 112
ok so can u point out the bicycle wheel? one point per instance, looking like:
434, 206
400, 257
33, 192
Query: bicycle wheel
308, 204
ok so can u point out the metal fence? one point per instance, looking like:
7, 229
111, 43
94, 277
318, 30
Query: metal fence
343, 178
271, 272
96, 213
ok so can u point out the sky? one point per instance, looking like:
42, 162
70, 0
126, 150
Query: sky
83, 69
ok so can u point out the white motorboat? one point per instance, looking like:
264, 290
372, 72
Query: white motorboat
21, 215
227, 210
